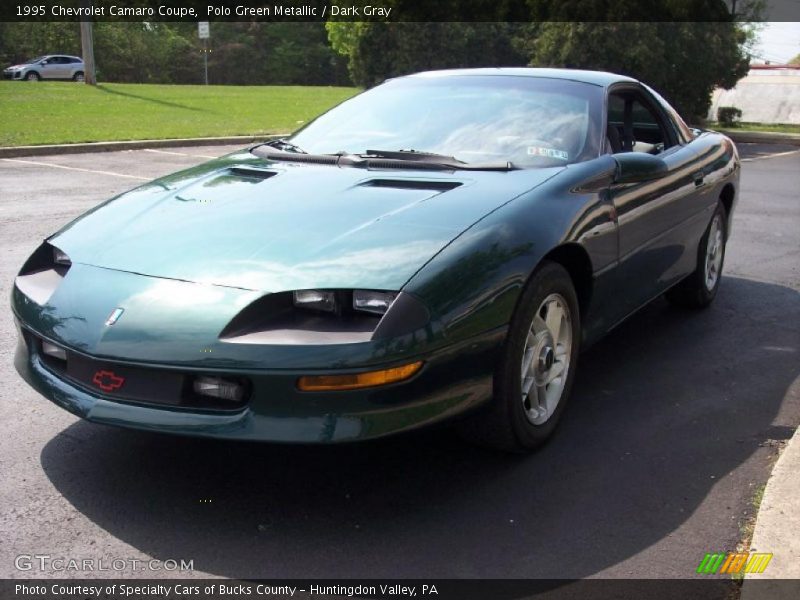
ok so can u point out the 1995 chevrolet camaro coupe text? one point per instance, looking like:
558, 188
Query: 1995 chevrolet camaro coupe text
438, 247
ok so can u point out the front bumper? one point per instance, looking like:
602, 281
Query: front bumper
454, 380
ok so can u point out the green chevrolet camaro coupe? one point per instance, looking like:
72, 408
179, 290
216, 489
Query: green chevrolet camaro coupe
437, 248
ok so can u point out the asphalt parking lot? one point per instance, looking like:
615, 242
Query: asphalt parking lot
674, 424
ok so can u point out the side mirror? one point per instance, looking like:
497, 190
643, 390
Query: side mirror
635, 167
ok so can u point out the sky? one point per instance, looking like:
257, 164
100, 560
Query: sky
779, 42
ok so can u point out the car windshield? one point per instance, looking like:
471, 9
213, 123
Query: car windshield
528, 121
35, 60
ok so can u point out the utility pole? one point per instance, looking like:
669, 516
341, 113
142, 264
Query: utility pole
203, 32
87, 47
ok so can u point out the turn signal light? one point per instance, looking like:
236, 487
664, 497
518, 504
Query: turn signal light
53, 350
354, 381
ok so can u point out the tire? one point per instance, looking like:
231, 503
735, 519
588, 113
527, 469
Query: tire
78, 76
519, 422
700, 288
32, 76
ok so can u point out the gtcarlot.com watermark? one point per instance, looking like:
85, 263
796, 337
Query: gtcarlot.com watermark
60, 564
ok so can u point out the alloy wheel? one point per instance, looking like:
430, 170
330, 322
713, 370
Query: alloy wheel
546, 358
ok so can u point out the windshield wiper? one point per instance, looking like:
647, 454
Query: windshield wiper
285, 145
374, 159
431, 158
417, 155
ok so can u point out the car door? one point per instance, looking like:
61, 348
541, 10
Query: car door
50, 67
63, 66
654, 217
73, 66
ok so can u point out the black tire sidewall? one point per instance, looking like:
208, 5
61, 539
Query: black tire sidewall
706, 295
548, 278
32, 76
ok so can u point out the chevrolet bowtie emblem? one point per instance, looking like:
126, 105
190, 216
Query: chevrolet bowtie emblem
108, 381
114, 316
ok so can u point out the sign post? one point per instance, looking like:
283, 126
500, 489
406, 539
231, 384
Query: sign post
204, 32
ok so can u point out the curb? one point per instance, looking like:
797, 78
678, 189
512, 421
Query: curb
747, 137
12, 151
777, 527
762, 137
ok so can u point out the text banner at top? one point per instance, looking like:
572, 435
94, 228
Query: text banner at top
400, 10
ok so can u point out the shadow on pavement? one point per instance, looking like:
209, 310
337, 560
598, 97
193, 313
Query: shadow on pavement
108, 90
668, 400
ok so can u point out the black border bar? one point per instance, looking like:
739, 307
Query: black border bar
399, 10
712, 588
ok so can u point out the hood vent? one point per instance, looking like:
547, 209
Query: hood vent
252, 173
412, 184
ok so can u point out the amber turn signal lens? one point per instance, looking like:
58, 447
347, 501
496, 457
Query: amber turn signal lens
354, 381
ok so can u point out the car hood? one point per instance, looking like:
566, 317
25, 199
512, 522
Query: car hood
245, 222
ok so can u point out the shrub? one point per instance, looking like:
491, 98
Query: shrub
728, 115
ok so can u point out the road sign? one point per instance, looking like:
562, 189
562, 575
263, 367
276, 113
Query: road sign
203, 30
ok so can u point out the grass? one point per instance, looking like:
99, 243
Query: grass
776, 128
748, 526
56, 113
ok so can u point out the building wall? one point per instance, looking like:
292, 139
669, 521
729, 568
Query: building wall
764, 96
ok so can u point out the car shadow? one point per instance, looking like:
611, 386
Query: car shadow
108, 90
665, 406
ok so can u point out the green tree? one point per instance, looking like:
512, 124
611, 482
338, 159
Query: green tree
278, 53
161, 52
684, 61
795, 60
376, 51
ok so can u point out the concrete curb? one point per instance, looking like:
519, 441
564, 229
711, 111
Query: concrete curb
13, 151
763, 137
757, 137
778, 525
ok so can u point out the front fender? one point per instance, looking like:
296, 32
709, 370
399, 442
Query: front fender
474, 283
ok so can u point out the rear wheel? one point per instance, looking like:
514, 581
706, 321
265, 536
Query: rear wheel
78, 76
534, 376
32, 76
699, 289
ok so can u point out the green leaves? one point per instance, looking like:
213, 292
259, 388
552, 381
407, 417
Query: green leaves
684, 61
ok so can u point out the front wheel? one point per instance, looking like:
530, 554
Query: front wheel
534, 376
32, 76
700, 288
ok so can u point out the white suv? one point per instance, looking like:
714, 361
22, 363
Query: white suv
51, 66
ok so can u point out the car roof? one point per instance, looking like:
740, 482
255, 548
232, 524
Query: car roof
600, 78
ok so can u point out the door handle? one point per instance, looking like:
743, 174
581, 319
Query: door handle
699, 178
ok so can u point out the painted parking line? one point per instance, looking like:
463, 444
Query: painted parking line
44, 164
787, 153
179, 153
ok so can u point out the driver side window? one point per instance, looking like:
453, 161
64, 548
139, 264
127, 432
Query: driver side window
633, 126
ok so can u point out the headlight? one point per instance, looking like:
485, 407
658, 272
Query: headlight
42, 273
316, 300
373, 302
341, 301
324, 317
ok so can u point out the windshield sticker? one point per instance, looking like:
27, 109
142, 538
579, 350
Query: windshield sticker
548, 152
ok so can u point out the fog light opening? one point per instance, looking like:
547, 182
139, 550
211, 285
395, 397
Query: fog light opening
219, 388
54, 351
354, 381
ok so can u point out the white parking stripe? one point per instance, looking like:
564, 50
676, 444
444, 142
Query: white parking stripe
44, 164
179, 153
787, 153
